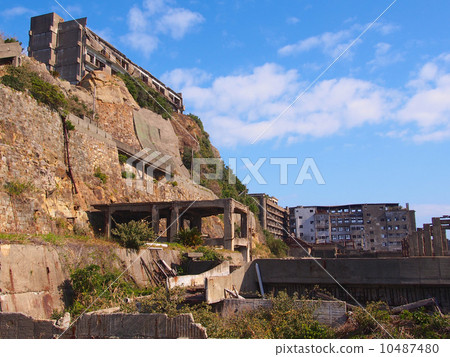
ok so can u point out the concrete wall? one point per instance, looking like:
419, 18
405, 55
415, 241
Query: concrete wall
91, 325
222, 269
332, 313
31, 276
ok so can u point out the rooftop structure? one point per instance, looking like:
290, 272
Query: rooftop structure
73, 50
10, 53
370, 227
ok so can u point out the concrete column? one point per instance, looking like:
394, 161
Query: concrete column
437, 237
108, 223
263, 212
420, 242
197, 222
155, 220
444, 241
428, 249
228, 222
413, 244
174, 223
244, 225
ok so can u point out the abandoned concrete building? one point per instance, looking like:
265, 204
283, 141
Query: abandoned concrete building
368, 227
431, 240
272, 217
181, 214
73, 50
10, 53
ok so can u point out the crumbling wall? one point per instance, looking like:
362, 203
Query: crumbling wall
92, 325
32, 276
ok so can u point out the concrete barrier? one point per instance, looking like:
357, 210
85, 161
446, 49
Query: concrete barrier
222, 269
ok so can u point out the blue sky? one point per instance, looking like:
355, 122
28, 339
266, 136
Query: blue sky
376, 123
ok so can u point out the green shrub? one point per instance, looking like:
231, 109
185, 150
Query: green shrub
422, 324
127, 175
277, 247
174, 183
99, 174
189, 237
209, 254
366, 319
123, 158
133, 235
47, 93
13, 82
69, 125
17, 188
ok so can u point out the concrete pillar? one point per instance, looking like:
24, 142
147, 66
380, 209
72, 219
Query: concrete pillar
174, 223
108, 223
444, 241
197, 222
437, 237
263, 212
244, 225
428, 249
228, 222
413, 244
420, 252
155, 220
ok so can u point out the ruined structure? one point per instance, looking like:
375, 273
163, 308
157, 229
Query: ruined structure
272, 217
10, 53
177, 213
368, 227
431, 240
73, 50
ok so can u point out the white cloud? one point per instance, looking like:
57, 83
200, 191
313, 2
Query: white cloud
178, 22
17, 11
292, 20
331, 43
239, 107
384, 56
181, 78
147, 23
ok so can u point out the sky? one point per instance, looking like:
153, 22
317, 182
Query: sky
353, 92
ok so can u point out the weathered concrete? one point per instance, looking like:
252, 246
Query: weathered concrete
31, 276
222, 269
331, 313
95, 325
396, 280
10, 53
120, 325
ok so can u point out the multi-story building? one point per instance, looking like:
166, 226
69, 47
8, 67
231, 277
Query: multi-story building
272, 217
370, 227
73, 50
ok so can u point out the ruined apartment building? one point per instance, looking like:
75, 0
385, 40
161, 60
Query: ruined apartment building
73, 50
272, 217
369, 227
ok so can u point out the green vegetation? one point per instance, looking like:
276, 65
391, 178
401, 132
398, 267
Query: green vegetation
417, 324
146, 96
99, 174
128, 175
69, 125
229, 186
23, 78
123, 158
189, 237
209, 254
18, 188
278, 248
133, 235
100, 288
174, 183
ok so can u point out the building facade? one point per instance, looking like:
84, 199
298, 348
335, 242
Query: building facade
369, 227
272, 217
73, 50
